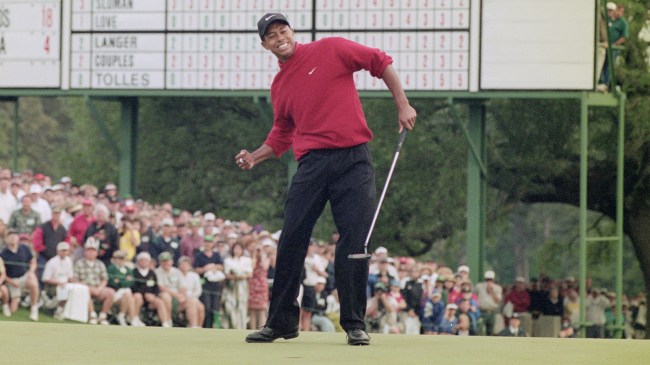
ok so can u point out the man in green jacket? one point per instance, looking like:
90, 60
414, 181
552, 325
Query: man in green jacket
120, 278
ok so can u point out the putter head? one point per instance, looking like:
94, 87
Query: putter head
360, 256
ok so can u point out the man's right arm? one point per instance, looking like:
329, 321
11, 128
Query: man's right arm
246, 160
406, 113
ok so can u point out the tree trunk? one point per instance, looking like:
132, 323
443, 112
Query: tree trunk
520, 254
638, 227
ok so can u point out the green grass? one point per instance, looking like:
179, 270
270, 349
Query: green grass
55, 343
22, 315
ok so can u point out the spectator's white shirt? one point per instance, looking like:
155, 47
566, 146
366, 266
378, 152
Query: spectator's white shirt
313, 265
192, 283
118, 219
8, 204
596, 309
485, 300
66, 220
215, 231
333, 306
58, 270
42, 207
241, 266
170, 279
572, 308
392, 270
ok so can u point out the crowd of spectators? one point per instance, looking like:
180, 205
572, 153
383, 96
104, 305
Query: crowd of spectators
80, 253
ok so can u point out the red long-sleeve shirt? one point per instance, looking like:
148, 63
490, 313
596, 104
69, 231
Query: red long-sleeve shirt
315, 101
78, 228
520, 300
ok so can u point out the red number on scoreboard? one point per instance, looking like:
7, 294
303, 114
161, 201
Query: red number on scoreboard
46, 45
48, 17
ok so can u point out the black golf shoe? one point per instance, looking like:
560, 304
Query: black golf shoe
268, 334
358, 337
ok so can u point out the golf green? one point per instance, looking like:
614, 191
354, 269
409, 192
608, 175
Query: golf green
55, 343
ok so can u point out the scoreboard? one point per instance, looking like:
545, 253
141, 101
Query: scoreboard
30, 43
213, 44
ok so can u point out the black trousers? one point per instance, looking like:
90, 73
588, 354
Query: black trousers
346, 178
210, 299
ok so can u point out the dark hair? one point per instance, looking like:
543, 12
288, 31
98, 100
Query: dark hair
232, 248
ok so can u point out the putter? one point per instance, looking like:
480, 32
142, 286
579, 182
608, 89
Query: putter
365, 255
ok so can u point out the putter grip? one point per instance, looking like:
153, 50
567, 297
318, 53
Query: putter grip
400, 142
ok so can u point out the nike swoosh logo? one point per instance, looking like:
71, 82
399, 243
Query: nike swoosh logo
312, 70
267, 19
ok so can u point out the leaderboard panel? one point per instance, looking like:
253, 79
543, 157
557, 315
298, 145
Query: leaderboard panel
30, 49
213, 44
428, 39
175, 44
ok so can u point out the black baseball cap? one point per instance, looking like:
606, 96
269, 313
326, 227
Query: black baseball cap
267, 20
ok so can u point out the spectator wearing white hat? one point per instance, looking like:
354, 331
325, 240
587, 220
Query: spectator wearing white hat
514, 328
58, 273
520, 302
66, 181
519, 296
146, 290
432, 313
490, 296
618, 32
381, 253
227, 231
463, 272
92, 272
111, 191
167, 241
78, 227
209, 265
595, 304
449, 320
319, 318
209, 228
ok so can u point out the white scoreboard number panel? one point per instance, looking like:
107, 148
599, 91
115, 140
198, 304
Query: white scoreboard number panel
544, 44
440, 45
30, 50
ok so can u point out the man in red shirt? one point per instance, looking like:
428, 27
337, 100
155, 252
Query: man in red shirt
317, 111
78, 228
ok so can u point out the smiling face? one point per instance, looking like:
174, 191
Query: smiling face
279, 39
